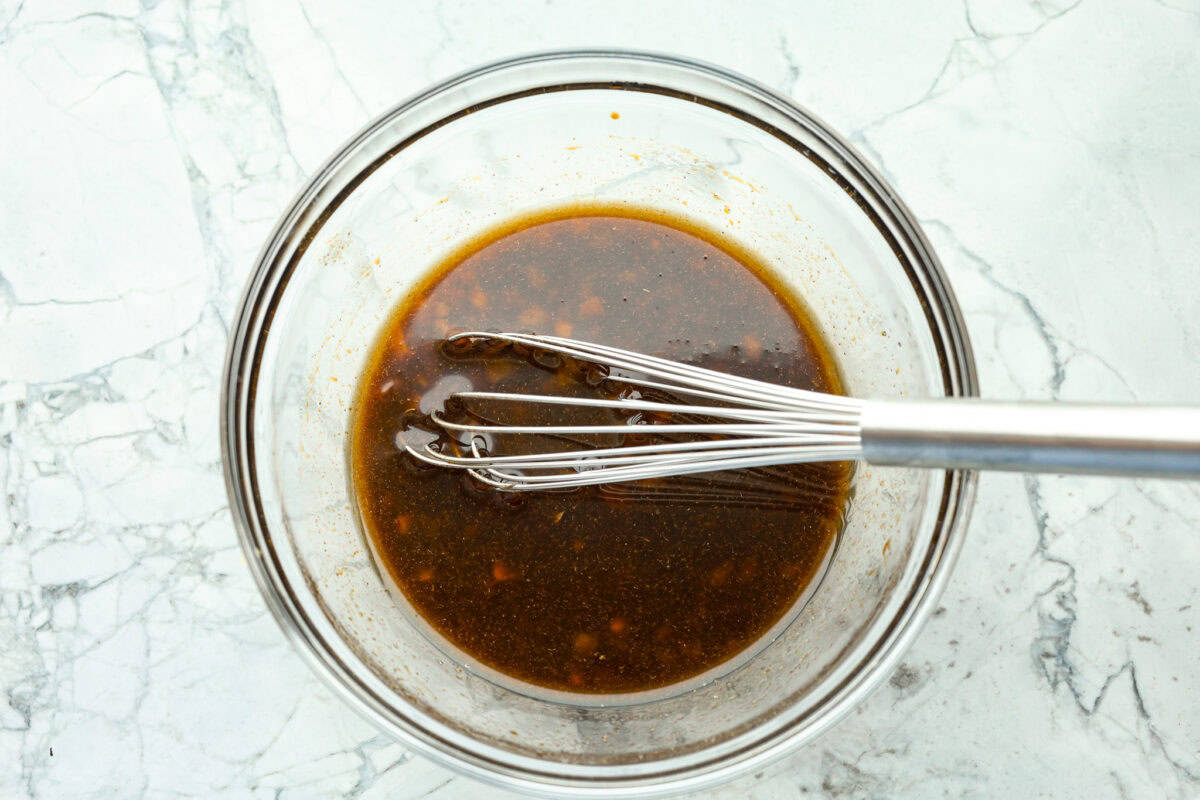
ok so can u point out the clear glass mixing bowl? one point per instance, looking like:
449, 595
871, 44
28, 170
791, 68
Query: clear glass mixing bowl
522, 135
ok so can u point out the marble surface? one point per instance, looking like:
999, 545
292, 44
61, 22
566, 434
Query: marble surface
1049, 150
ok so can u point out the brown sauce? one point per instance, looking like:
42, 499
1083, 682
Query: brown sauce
609, 589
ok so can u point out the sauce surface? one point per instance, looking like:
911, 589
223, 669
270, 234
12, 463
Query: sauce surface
620, 588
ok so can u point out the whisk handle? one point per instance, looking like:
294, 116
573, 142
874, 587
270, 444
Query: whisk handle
1090, 438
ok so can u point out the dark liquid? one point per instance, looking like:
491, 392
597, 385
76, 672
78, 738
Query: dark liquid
608, 589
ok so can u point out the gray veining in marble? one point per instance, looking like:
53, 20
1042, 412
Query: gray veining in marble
1050, 150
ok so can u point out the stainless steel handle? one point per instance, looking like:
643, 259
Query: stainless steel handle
1034, 437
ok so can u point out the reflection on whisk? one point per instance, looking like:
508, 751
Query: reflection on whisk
766, 488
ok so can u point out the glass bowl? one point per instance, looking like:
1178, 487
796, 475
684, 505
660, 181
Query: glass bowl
527, 134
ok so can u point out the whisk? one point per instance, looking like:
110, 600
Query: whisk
708, 421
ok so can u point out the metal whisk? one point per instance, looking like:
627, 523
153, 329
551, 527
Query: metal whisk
711, 421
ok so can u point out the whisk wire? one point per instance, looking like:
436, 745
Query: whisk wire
746, 390
758, 424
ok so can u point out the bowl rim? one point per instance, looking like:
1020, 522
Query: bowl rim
268, 280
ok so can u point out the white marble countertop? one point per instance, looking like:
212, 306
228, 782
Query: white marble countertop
1051, 153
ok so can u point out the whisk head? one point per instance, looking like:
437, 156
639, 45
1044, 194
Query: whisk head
672, 419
